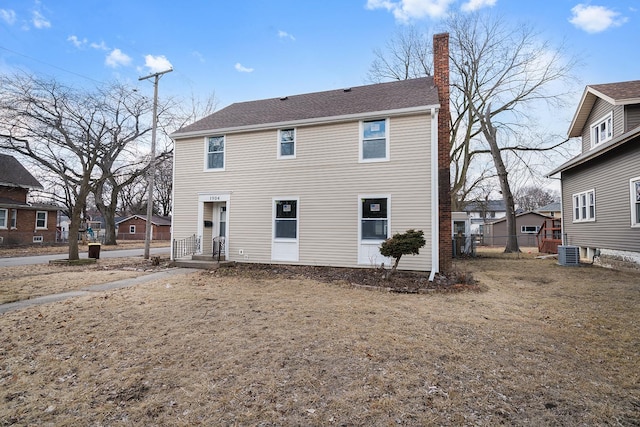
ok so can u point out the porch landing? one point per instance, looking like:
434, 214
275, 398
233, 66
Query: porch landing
203, 262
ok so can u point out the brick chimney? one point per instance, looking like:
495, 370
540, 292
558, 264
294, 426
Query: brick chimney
441, 80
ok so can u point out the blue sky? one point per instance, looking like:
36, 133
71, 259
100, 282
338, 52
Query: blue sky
254, 49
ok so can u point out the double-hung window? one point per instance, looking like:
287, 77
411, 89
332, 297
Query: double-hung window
584, 206
41, 219
286, 219
374, 140
635, 201
374, 221
287, 144
3, 218
602, 130
215, 153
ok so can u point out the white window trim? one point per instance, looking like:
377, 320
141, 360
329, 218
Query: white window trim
206, 154
594, 129
6, 219
588, 217
13, 219
280, 156
635, 222
132, 229
361, 142
273, 219
46, 220
373, 196
536, 227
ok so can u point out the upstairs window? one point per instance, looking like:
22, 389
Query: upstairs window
584, 206
602, 130
215, 152
287, 144
374, 144
635, 202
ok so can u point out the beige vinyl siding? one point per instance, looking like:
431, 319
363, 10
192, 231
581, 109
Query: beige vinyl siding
326, 177
600, 109
609, 176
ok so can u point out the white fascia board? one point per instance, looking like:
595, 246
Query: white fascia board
310, 121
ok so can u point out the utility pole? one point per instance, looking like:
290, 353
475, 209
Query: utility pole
152, 165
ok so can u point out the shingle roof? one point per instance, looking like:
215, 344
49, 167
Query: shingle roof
620, 93
13, 174
397, 95
485, 206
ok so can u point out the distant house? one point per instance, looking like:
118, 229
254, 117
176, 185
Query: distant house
601, 186
527, 225
134, 227
483, 212
21, 222
321, 178
553, 209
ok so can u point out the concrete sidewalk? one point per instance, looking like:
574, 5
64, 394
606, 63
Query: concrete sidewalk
124, 283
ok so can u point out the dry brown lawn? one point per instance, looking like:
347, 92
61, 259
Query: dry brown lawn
543, 345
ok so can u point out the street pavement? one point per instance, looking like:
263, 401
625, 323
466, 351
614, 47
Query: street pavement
44, 259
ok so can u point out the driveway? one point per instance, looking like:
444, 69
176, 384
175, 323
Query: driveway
43, 259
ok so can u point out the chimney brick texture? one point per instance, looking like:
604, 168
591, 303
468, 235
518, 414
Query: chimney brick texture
441, 80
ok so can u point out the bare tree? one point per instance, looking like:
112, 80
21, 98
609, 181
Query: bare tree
80, 138
533, 197
164, 186
407, 55
499, 73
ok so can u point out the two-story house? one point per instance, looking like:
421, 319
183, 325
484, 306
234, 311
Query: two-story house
319, 178
601, 186
21, 222
483, 212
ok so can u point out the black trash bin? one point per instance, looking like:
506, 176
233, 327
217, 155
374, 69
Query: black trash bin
94, 250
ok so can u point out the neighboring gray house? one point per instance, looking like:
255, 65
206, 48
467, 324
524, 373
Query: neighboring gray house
527, 225
601, 186
482, 212
319, 178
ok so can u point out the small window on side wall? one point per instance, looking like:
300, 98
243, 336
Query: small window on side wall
584, 206
41, 219
287, 144
602, 130
132, 229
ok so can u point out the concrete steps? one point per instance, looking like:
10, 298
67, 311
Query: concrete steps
203, 262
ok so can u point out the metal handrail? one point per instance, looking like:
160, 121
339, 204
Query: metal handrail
186, 247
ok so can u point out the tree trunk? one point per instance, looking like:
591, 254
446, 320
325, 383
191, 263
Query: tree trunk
490, 134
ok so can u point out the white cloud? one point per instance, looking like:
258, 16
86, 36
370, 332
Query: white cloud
39, 21
285, 35
243, 69
117, 58
157, 64
473, 5
406, 10
595, 19
76, 41
99, 46
8, 16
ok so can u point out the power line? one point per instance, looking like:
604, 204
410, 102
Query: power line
51, 65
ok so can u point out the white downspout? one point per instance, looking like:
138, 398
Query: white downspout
435, 214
